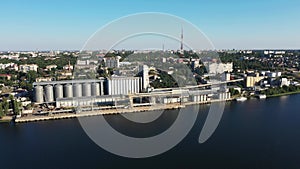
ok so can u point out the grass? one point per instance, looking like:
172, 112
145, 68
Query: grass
284, 94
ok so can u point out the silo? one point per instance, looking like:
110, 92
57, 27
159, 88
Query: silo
68, 90
86, 89
59, 92
95, 89
39, 94
77, 90
49, 97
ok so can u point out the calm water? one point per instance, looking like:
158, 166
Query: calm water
252, 134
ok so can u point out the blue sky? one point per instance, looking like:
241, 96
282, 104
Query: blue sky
239, 24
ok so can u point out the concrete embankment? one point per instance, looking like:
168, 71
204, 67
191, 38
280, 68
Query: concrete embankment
108, 112
97, 112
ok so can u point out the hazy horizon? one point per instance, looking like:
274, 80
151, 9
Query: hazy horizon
232, 24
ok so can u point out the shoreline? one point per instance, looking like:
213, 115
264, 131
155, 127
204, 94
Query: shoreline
170, 106
283, 94
112, 111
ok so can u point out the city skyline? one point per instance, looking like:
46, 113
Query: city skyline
55, 25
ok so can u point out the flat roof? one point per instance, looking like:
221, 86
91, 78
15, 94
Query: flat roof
68, 82
90, 97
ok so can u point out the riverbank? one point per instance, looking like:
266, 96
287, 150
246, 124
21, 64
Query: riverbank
98, 112
283, 94
33, 118
5, 119
169, 106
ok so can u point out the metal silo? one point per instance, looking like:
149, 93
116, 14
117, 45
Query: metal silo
86, 89
59, 92
68, 90
49, 97
95, 89
39, 94
77, 90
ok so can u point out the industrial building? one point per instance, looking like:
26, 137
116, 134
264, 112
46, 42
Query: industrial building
117, 85
115, 91
144, 69
49, 92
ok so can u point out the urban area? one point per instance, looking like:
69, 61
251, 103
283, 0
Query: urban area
41, 85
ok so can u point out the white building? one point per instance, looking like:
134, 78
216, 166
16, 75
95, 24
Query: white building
68, 67
273, 74
284, 82
27, 67
123, 85
83, 62
4, 66
219, 68
112, 62
144, 69
49, 67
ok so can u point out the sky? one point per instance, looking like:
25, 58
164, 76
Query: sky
229, 24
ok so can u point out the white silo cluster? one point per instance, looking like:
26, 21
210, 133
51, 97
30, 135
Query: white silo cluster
47, 92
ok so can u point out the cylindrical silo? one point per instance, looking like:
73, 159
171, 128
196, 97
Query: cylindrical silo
77, 90
49, 97
59, 92
39, 94
95, 89
86, 89
68, 90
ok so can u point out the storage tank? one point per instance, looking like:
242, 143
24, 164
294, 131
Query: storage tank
95, 89
49, 97
77, 90
86, 89
59, 92
68, 91
39, 94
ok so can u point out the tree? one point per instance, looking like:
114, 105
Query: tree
1, 111
233, 92
16, 108
5, 106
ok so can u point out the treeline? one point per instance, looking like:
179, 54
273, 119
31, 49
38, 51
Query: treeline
164, 81
240, 63
281, 90
42, 62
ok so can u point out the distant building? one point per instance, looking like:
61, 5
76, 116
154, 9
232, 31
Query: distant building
43, 79
5, 76
49, 67
251, 81
4, 66
219, 68
195, 63
83, 62
112, 62
68, 67
27, 67
284, 82
226, 77
273, 74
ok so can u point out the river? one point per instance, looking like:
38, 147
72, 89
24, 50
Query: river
252, 134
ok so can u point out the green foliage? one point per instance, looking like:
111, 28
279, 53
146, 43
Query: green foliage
165, 81
123, 54
240, 63
233, 92
1, 111
281, 90
42, 62
15, 107
5, 105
